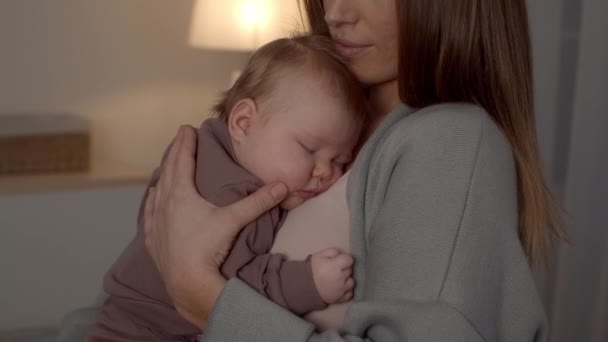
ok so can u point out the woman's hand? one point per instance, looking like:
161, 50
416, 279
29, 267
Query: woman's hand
189, 238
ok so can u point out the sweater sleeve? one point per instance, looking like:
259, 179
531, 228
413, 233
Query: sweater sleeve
438, 248
288, 283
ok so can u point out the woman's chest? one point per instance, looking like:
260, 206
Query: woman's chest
320, 223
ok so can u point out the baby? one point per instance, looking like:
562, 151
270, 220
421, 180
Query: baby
294, 115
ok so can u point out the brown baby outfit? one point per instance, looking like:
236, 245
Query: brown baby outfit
139, 308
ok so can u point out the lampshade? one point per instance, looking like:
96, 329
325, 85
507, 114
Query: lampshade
242, 25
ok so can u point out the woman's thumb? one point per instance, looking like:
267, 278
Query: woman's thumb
256, 204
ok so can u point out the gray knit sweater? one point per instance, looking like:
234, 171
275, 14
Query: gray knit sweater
433, 205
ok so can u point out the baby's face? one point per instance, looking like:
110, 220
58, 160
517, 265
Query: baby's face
303, 136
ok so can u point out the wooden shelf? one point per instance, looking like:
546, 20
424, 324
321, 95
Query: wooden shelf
103, 173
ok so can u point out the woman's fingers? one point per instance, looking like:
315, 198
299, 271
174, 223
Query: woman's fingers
254, 205
185, 159
149, 207
167, 169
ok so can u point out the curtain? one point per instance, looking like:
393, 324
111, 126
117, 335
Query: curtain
577, 286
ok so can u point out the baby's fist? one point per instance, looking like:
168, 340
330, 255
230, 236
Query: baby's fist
332, 273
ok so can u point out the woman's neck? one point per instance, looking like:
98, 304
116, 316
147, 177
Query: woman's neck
383, 98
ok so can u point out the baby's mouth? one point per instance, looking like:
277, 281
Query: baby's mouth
306, 194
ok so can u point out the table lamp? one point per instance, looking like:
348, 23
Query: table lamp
242, 25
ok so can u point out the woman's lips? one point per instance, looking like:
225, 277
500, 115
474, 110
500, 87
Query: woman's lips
349, 49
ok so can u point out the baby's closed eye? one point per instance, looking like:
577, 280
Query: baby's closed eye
308, 149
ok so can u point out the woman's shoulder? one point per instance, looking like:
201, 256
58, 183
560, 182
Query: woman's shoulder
446, 118
449, 141
467, 113
453, 125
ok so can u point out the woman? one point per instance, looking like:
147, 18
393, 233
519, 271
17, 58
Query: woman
448, 205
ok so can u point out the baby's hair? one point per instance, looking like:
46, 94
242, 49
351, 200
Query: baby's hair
313, 53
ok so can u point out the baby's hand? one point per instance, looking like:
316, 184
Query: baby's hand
332, 273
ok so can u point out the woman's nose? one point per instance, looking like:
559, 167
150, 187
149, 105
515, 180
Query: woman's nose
340, 12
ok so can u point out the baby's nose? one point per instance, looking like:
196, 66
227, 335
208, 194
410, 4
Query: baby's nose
323, 171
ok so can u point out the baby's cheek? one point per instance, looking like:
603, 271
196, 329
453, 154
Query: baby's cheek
337, 173
296, 173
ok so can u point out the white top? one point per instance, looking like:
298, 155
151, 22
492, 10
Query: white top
319, 223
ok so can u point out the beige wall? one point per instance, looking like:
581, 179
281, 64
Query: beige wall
55, 248
124, 64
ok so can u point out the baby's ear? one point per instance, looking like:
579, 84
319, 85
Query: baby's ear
241, 118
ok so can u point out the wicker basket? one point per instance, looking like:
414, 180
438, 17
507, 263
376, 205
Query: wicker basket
43, 144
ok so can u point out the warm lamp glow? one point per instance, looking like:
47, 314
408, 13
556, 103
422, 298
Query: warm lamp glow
242, 25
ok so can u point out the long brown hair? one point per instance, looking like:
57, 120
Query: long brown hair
477, 51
